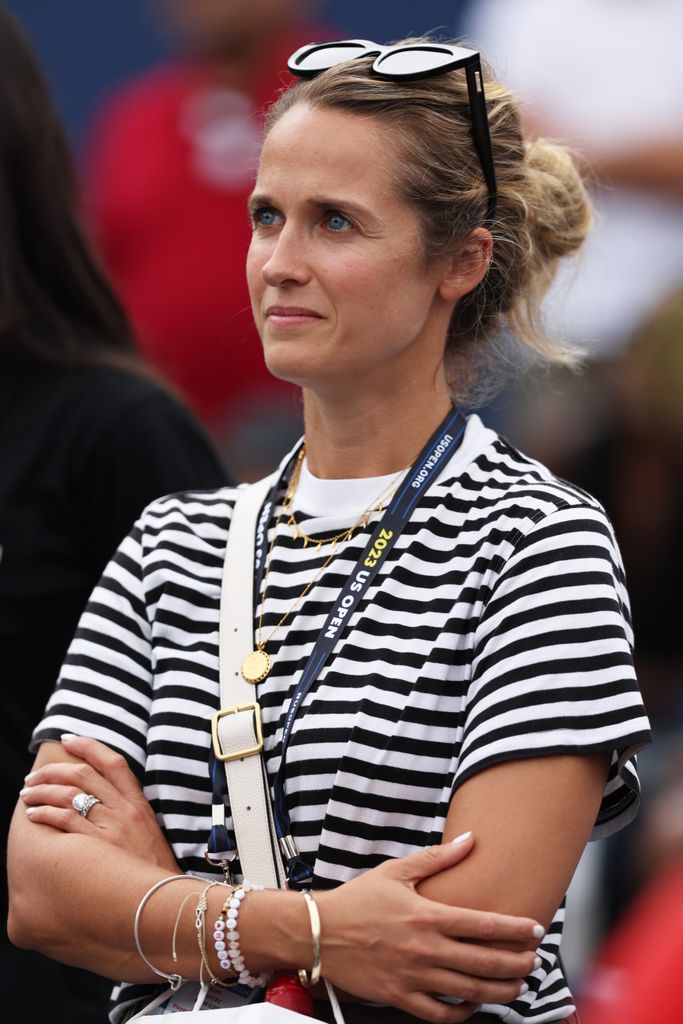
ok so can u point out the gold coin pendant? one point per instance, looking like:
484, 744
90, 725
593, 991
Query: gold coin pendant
255, 666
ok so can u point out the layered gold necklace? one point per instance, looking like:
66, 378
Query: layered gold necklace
256, 666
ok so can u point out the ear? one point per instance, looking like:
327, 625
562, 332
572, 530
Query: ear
467, 266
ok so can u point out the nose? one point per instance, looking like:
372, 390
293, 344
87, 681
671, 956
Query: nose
287, 262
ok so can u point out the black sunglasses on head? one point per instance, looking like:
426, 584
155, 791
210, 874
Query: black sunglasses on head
410, 62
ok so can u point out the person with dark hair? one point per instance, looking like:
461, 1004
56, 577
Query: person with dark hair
442, 650
88, 436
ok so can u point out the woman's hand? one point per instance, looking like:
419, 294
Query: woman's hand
386, 944
124, 817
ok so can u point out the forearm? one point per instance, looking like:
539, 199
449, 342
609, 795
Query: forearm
74, 898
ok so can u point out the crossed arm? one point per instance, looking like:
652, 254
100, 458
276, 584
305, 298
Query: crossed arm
455, 920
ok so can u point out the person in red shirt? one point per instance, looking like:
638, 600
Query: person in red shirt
636, 978
169, 165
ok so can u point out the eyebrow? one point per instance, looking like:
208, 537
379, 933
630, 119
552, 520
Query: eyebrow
257, 200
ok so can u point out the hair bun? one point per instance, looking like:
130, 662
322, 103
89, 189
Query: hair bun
560, 212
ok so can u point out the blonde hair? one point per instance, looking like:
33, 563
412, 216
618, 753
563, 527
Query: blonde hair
543, 211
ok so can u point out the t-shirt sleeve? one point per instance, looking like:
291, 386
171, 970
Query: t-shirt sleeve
552, 669
104, 689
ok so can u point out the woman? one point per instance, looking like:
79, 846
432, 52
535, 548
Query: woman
383, 259
87, 438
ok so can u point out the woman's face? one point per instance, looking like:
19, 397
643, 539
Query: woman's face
340, 289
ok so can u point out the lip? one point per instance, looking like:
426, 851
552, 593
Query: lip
291, 316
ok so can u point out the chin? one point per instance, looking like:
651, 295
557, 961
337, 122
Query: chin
289, 366
296, 368
289, 359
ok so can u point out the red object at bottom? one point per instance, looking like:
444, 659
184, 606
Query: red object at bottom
286, 990
636, 978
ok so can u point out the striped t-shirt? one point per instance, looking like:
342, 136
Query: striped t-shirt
497, 629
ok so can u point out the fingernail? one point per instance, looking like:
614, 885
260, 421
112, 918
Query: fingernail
31, 810
537, 963
24, 791
31, 775
524, 988
68, 736
538, 931
461, 838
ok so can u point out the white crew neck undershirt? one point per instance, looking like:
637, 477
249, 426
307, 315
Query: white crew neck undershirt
338, 501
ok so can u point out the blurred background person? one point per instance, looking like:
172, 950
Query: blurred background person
634, 464
171, 162
88, 436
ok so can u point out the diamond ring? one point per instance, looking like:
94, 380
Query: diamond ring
84, 803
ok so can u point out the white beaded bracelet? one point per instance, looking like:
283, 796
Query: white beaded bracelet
227, 938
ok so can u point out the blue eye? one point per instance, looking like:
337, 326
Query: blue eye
265, 217
338, 222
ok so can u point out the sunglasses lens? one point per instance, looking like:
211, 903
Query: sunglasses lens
323, 57
419, 60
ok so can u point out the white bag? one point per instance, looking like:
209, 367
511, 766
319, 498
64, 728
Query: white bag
192, 995
259, 1013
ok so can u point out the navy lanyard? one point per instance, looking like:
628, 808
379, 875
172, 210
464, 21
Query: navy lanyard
427, 467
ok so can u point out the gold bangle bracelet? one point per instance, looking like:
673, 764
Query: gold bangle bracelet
313, 978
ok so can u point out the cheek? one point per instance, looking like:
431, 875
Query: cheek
254, 268
393, 289
357, 286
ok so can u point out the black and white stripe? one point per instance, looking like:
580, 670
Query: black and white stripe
498, 629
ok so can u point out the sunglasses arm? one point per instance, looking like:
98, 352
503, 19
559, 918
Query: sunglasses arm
480, 131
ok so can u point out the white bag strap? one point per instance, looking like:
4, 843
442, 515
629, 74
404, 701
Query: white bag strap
238, 734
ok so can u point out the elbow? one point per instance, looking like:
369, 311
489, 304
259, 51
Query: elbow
21, 929
30, 917
22, 917
29, 926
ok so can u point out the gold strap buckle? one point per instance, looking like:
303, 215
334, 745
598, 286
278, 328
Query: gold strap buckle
248, 751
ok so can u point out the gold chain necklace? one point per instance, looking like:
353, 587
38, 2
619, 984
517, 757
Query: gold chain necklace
376, 506
257, 665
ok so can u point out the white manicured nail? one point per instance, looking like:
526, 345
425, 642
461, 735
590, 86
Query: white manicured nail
461, 838
31, 810
523, 989
68, 736
538, 931
537, 963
